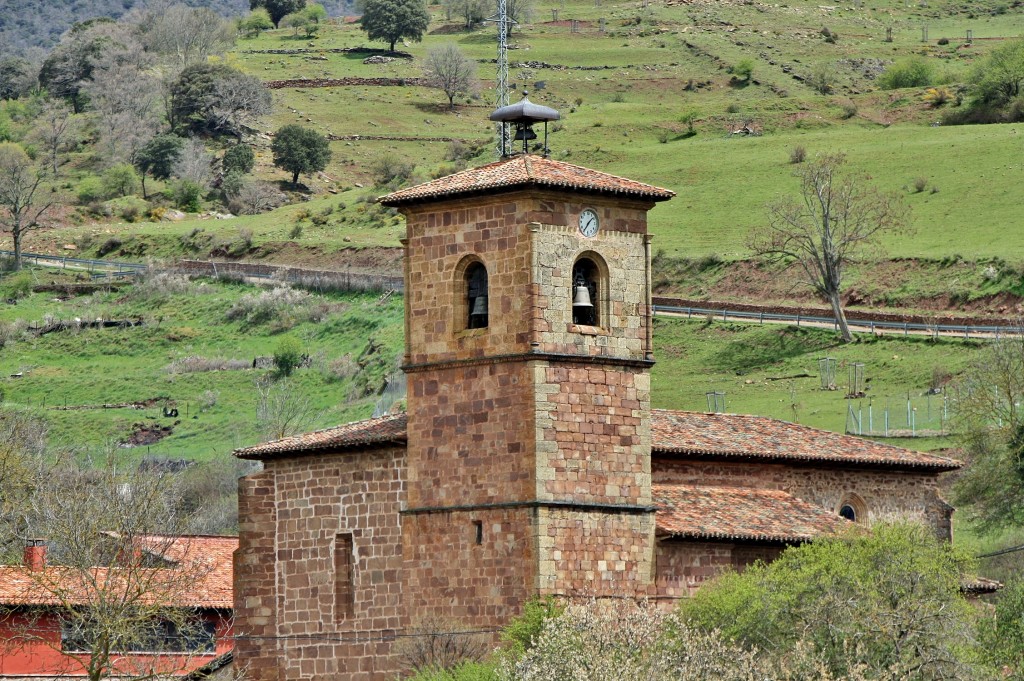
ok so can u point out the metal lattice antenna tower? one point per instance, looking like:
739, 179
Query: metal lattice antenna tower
501, 82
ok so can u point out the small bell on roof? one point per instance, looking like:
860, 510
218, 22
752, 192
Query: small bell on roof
523, 114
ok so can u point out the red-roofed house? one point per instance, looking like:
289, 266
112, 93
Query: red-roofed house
529, 462
193, 573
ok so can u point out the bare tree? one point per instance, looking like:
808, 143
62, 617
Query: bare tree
471, 11
282, 409
125, 96
57, 130
519, 12
837, 216
21, 208
184, 35
253, 197
238, 102
22, 446
194, 163
121, 577
449, 69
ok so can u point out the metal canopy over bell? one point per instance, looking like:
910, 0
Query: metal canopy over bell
523, 115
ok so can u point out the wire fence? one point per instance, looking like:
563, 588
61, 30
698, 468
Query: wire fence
925, 415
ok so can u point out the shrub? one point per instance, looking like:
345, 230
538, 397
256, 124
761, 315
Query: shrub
157, 284
937, 96
920, 183
90, 189
390, 170
109, 246
186, 195
822, 79
733, 108
287, 356
943, 41
120, 180
743, 69
239, 158
797, 154
16, 286
912, 72
195, 364
276, 304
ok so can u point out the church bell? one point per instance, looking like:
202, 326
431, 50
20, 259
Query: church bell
582, 297
479, 307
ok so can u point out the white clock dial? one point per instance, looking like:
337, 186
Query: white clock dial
588, 223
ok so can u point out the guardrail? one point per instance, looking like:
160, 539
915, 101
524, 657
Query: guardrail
870, 326
96, 268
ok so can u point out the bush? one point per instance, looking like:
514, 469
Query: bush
390, 170
159, 284
822, 79
797, 154
287, 356
276, 304
920, 183
16, 286
912, 72
239, 158
186, 195
195, 364
743, 69
120, 180
89, 190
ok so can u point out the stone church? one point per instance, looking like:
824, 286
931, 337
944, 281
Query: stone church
530, 461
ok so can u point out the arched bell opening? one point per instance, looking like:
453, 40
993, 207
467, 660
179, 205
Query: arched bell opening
587, 292
476, 298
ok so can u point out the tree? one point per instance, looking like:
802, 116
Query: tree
120, 179
838, 215
300, 150
112, 532
194, 164
21, 208
393, 20
997, 80
278, 9
308, 19
282, 410
16, 77
519, 12
239, 158
471, 11
124, 96
990, 427
216, 99
885, 602
257, 22
22, 446
158, 157
449, 69
58, 130
71, 62
186, 35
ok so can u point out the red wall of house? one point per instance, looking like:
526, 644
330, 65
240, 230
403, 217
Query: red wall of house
20, 656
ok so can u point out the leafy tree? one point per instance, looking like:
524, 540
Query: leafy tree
120, 180
450, 70
187, 195
300, 150
886, 602
216, 98
287, 356
1003, 635
16, 77
278, 9
21, 207
308, 19
990, 424
837, 216
257, 22
239, 158
157, 158
912, 72
393, 20
997, 80
71, 63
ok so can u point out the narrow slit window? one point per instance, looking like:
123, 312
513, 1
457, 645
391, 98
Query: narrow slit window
476, 294
344, 573
478, 528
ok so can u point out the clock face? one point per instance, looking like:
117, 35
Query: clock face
588, 223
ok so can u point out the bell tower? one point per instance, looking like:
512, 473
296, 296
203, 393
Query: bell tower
528, 348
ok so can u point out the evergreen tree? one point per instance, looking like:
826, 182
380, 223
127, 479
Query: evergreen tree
300, 150
392, 20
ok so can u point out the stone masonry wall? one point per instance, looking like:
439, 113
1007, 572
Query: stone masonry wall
682, 566
450, 576
593, 433
255, 596
595, 554
471, 435
885, 494
336, 562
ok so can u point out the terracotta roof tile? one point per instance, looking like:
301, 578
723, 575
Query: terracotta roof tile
739, 513
525, 171
359, 434
678, 432
210, 586
733, 435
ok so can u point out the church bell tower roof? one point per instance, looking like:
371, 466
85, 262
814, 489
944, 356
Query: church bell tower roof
525, 171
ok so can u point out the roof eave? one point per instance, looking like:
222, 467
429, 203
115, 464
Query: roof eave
936, 467
348, 447
519, 186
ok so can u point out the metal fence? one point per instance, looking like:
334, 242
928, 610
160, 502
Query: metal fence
925, 415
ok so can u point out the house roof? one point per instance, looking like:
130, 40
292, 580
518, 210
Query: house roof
358, 435
201, 576
739, 513
729, 436
761, 438
520, 172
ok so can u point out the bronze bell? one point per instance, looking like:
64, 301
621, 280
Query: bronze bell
582, 297
479, 307
525, 132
